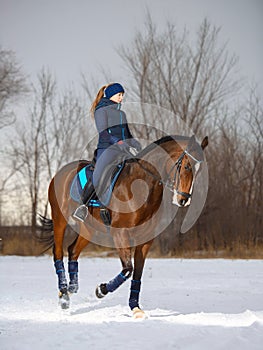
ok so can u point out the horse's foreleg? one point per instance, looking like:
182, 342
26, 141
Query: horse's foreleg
117, 281
127, 268
140, 254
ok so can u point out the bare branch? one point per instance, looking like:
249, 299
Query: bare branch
12, 86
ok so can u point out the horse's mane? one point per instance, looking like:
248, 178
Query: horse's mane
161, 141
170, 138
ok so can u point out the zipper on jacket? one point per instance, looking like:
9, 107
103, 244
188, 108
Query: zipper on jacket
122, 128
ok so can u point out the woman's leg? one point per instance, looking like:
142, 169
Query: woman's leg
105, 158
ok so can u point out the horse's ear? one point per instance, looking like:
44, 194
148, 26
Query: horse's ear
204, 142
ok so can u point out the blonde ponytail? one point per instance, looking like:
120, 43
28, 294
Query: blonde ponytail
99, 96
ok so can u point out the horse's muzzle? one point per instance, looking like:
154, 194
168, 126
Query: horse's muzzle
182, 202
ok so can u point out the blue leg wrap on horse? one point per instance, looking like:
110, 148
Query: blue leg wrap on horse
116, 282
73, 276
60, 271
134, 295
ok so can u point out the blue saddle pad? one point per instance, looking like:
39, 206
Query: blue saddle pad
82, 177
79, 182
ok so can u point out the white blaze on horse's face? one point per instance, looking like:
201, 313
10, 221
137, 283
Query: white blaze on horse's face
175, 193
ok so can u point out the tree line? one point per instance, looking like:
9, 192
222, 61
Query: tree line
198, 81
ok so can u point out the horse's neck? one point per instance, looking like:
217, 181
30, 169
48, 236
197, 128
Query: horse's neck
159, 156
152, 164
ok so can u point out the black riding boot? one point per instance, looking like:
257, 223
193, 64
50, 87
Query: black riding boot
82, 211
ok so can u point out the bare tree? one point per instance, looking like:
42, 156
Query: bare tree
47, 139
27, 146
253, 176
232, 219
168, 70
195, 79
12, 86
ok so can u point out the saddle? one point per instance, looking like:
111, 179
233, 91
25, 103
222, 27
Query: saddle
82, 188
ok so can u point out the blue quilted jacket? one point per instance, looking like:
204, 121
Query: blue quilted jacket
112, 124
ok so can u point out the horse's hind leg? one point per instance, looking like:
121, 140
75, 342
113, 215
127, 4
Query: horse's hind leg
127, 268
59, 232
74, 251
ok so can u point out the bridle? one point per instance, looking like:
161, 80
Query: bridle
173, 184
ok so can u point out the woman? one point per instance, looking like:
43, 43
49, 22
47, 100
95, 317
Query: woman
113, 129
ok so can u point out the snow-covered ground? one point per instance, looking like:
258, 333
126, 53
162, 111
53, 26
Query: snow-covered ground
191, 304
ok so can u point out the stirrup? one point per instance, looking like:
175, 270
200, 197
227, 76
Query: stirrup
81, 213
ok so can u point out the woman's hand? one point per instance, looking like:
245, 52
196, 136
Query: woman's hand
133, 151
123, 145
136, 144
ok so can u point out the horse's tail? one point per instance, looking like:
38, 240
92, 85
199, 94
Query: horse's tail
47, 224
44, 235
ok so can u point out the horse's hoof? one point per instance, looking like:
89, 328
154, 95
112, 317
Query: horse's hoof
73, 288
101, 291
138, 313
64, 300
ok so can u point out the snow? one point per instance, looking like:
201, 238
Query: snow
190, 304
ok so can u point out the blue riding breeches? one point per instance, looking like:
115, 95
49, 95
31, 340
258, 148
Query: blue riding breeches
105, 156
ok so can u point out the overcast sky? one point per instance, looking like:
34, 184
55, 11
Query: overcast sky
70, 36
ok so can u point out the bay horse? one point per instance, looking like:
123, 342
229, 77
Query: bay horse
167, 163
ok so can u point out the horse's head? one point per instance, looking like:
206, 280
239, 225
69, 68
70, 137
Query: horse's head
182, 169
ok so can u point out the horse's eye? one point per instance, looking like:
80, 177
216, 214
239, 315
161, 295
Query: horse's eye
188, 167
